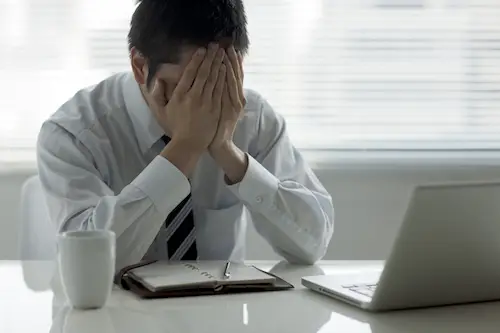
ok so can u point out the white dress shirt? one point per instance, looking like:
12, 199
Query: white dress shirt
100, 169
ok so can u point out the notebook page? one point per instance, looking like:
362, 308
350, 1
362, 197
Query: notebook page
175, 274
243, 273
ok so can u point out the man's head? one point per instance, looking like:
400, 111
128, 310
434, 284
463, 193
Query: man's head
165, 33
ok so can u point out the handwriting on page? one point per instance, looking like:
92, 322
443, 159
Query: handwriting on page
197, 269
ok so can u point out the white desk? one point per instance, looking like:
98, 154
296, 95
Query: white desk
28, 304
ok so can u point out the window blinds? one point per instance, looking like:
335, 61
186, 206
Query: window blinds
346, 74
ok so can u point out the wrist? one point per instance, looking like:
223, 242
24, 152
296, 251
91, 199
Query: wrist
183, 155
232, 160
189, 145
222, 149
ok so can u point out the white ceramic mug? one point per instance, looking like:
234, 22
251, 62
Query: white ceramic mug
87, 265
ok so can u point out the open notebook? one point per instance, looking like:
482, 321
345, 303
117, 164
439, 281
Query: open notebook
156, 279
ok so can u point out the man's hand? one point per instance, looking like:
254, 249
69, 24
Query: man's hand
226, 154
233, 101
191, 116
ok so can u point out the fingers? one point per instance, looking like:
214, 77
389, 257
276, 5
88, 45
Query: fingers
212, 80
242, 78
218, 91
237, 65
226, 99
190, 72
205, 69
233, 59
158, 93
242, 73
232, 83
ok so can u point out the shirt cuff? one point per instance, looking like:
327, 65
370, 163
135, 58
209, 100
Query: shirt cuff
164, 184
258, 186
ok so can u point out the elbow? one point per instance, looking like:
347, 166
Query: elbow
78, 221
308, 260
312, 254
322, 240
319, 253
305, 258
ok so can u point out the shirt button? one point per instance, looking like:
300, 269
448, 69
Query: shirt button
258, 199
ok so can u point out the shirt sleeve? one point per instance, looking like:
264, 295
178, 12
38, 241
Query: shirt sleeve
78, 198
290, 207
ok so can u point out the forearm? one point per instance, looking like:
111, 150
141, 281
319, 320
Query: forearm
79, 198
183, 155
135, 214
296, 220
232, 161
297, 228
134, 221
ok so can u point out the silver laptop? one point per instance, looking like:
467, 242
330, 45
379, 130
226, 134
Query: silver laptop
447, 252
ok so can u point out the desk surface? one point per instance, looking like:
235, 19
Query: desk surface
29, 304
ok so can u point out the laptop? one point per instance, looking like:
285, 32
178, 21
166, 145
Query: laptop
447, 252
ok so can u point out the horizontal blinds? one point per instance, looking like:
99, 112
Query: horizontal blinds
379, 74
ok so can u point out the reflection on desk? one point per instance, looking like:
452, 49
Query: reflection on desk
27, 305
226, 313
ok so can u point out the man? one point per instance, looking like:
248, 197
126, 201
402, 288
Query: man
171, 156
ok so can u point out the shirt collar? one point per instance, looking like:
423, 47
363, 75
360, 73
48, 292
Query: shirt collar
146, 127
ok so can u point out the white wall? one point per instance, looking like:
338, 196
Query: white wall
369, 204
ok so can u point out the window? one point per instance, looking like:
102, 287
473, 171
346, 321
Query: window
346, 74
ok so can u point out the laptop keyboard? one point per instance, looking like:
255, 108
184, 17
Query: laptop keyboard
363, 289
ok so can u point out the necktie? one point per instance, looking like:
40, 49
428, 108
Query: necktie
179, 229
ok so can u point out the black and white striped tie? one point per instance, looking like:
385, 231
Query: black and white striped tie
179, 229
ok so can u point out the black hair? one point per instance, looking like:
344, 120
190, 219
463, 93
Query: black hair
159, 28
